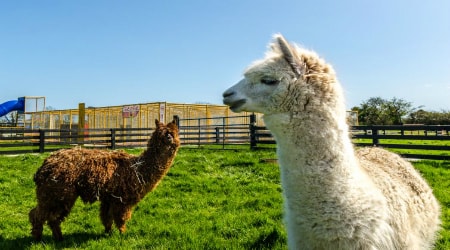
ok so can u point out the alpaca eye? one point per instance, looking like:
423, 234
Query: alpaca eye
269, 81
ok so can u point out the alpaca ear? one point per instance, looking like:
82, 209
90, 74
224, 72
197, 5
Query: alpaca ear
173, 124
282, 46
157, 123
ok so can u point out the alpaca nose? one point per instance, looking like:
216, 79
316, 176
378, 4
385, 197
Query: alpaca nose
228, 93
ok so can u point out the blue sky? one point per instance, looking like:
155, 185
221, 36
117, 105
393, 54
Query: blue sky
109, 52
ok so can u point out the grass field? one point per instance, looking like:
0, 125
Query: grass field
211, 199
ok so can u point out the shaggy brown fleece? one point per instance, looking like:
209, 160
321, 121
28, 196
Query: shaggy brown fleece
117, 179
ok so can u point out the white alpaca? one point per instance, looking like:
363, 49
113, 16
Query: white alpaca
335, 198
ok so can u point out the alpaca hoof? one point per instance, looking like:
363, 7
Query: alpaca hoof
36, 236
58, 238
122, 229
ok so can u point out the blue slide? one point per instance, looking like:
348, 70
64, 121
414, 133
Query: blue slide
14, 105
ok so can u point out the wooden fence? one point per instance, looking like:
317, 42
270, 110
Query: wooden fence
404, 139
407, 138
221, 131
224, 132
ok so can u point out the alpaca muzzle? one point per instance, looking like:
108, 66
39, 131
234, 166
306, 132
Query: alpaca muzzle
231, 99
235, 105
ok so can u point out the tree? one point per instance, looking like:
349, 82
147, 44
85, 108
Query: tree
371, 111
379, 111
397, 109
429, 117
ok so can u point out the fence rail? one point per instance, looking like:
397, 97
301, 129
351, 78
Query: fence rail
224, 132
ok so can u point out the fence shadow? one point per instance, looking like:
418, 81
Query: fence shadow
70, 241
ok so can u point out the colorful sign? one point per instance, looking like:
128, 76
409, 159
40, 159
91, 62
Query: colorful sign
130, 111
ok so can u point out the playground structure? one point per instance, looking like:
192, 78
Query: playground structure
25, 107
13, 105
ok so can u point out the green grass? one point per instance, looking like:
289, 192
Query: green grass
210, 199
437, 173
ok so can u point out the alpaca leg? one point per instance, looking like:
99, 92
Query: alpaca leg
37, 221
106, 216
54, 222
121, 215
55, 225
57, 216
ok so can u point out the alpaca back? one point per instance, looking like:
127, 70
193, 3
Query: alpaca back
84, 171
412, 206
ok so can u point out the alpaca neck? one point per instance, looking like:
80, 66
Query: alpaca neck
321, 176
312, 147
156, 161
157, 158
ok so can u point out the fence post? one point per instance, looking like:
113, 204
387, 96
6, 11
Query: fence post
217, 135
113, 138
81, 123
176, 118
41, 141
223, 132
252, 131
375, 139
199, 132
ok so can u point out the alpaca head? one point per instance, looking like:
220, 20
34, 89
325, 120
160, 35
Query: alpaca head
165, 136
288, 79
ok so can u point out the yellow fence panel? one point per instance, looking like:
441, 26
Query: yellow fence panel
129, 116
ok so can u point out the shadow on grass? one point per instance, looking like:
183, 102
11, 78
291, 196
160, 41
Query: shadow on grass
268, 240
238, 164
70, 241
446, 164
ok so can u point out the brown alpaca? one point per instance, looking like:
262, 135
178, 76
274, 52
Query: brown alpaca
117, 179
